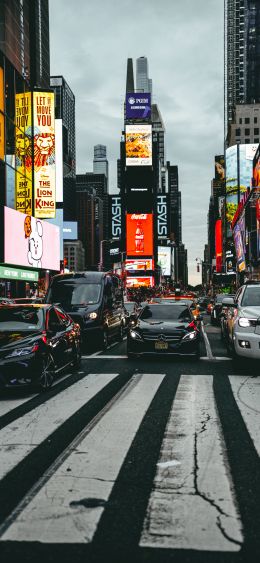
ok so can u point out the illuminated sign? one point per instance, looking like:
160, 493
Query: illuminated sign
70, 230
239, 240
162, 221
23, 153
44, 154
30, 242
164, 259
138, 145
116, 226
144, 281
139, 234
218, 245
246, 156
135, 265
59, 160
256, 169
2, 119
138, 105
17, 274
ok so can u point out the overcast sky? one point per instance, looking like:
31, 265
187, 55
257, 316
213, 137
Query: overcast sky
90, 42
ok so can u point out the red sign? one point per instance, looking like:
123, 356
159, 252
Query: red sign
143, 264
218, 245
140, 282
139, 234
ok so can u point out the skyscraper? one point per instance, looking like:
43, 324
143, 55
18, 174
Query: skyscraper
100, 163
143, 82
242, 54
130, 86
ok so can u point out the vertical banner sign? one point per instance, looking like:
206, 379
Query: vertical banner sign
23, 153
218, 245
2, 120
162, 219
116, 217
44, 155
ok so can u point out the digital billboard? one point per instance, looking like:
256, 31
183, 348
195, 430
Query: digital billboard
139, 234
138, 145
2, 120
23, 153
218, 245
135, 265
164, 259
138, 105
144, 281
44, 154
258, 227
220, 167
162, 216
239, 241
246, 156
30, 242
70, 230
256, 169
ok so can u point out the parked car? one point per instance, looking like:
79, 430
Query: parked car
163, 328
94, 300
36, 342
243, 323
216, 309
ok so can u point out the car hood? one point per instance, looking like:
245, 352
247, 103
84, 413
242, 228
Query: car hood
10, 340
252, 312
164, 326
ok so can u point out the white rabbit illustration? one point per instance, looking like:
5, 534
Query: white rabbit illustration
35, 245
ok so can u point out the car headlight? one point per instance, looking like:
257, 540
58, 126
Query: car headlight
22, 351
135, 335
190, 335
92, 315
245, 323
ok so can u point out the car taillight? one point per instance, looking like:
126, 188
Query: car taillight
193, 326
44, 338
35, 348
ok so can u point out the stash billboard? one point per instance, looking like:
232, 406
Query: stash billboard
138, 105
139, 234
138, 145
30, 242
44, 154
23, 153
162, 216
116, 216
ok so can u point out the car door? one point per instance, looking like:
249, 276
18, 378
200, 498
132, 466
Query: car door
56, 338
68, 335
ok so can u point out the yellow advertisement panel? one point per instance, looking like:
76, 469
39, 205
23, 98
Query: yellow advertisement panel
2, 119
44, 155
23, 153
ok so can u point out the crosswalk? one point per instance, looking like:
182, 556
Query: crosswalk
188, 489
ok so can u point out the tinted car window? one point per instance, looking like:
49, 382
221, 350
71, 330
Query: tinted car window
251, 297
69, 294
165, 312
21, 318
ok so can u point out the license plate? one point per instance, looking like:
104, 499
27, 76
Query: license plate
161, 346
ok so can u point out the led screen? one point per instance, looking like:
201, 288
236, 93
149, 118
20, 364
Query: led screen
31, 242
23, 153
135, 265
44, 154
246, 155
139, 234
138, 105
138, 145
218, 245
239, 240
144, 281
256, 169
164, 259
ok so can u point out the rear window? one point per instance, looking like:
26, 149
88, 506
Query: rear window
70, 294
21, 318
165, 312
251, 297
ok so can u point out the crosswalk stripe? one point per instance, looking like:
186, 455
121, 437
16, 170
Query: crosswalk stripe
247, 394
18, 439
192, 506
68, 507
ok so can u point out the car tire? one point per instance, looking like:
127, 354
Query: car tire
47, 374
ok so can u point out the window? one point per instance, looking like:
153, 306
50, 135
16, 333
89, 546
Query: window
247, 141
238, 132
240, 120
256, 140
256, 131
247, 119
255, 119
247, 131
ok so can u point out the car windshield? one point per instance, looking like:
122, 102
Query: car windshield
165, 313
70, 294
130, 306
21, 318
251, 297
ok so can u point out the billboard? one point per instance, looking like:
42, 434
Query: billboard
138, 145
116, 216
258, 227
162, 217
44, 154
218, 245
59, 160
144, 281
256, 169
239, 240
138, 105
70, 230
23, 153
2, 119
135, 265
30, 242
246, 156
164, 259
139, 234
220, 168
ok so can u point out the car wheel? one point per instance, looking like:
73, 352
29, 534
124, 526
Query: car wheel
47, 374
76, 358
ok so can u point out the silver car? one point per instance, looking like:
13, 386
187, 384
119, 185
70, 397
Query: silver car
243, 322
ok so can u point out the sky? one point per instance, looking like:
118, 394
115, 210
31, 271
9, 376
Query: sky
90, 42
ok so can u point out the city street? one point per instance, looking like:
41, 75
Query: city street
134, 460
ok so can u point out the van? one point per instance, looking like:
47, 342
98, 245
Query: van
94, 300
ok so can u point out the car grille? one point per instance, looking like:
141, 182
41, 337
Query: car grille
151, 336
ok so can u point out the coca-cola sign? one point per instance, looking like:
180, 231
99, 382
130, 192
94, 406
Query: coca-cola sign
116, 217
139, 234
162, 217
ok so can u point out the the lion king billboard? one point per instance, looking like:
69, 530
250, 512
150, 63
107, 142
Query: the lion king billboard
44, 154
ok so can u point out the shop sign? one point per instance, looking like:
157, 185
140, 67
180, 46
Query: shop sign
17, 274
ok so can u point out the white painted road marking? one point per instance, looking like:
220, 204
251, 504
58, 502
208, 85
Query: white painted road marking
192, 502
207, 344
57, 514
20, 437
247, 394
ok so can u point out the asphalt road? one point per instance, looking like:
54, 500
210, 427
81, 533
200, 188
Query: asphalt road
147, 460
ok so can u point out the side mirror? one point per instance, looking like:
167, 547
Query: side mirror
228, 302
